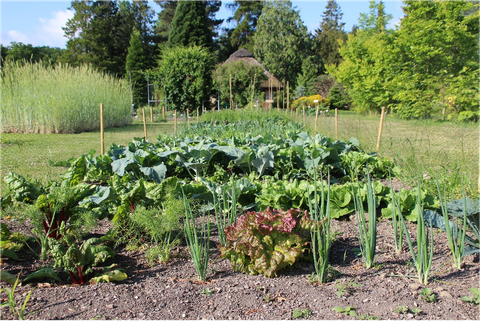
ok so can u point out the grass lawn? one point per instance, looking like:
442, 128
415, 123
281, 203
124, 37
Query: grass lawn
446, 150
31, 154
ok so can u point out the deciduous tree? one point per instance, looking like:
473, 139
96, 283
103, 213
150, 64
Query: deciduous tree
281, 40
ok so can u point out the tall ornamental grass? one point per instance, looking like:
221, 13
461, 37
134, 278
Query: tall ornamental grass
60, 99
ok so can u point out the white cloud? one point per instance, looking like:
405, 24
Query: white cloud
48, 33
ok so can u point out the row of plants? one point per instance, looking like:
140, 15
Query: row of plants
273, 197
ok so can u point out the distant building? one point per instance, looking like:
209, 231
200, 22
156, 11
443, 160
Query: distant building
270, 85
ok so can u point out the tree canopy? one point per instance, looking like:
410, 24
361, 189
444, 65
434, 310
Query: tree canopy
281, 40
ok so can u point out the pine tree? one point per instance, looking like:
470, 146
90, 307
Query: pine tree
246, 16
164, 21
330, 31
135, 64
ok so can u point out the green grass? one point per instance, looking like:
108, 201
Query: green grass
30, 154
446, 150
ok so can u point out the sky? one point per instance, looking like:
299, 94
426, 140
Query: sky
40, 22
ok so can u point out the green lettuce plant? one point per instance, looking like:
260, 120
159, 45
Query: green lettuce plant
268, 241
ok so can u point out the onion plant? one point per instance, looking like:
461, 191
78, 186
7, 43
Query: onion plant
367, 235
396, 213
225, 209
198, 241
425, 247
455, 234
321, 233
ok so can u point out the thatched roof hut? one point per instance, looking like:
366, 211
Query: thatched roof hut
270, 85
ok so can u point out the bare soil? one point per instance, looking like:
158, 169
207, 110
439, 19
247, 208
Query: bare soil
172, 291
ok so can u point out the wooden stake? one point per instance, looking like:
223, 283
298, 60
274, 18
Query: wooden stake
278, 98
316, 118
188, 119
443, 113
231, 100
163, 112
175, 123
197, 115
288, 95
102, 134
151, 114
144, 124
381, 128
336, 124
304, 119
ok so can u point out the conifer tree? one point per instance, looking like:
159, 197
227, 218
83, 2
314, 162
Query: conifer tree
330, 31
190, 25
135, 64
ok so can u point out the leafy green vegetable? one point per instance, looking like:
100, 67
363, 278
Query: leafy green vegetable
266, 242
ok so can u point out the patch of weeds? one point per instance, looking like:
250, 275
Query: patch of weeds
343, 288
404, 310
401, 309
428, 296
206, 291
349, 311
416, 311
356, 251
475, 299
300, 313
267, 298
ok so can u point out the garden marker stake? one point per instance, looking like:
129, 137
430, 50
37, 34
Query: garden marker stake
175, 123
304, 119
380, 129
151, 114
102, 137
144, 123
188, 119
336, 124
288, 95
197, 115
316, 118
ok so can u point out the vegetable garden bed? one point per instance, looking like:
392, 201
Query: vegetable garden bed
134, 201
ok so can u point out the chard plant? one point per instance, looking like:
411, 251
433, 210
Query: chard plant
455, 234
321, 233
424, 256
198, 241
367, 235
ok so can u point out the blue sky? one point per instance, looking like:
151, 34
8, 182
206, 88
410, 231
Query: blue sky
40, 22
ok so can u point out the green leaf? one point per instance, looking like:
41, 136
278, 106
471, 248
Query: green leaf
8, 277
40, 274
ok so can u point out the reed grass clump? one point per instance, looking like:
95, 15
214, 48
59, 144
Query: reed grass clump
60, 99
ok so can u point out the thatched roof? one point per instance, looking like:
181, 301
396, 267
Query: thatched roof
248, 58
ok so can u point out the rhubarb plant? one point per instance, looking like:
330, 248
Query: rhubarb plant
266, 242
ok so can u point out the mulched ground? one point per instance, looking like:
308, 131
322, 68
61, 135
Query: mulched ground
171, 291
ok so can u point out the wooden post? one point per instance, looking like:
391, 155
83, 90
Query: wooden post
144, 124
296, 113
288, 95
188, 119
316, 118
102, 134
283, 95
443, 113
175, 123
231, 100
380, 129
197, 115
278, 98
151, 114
131, 91
304, 119
163, 112
336, 124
